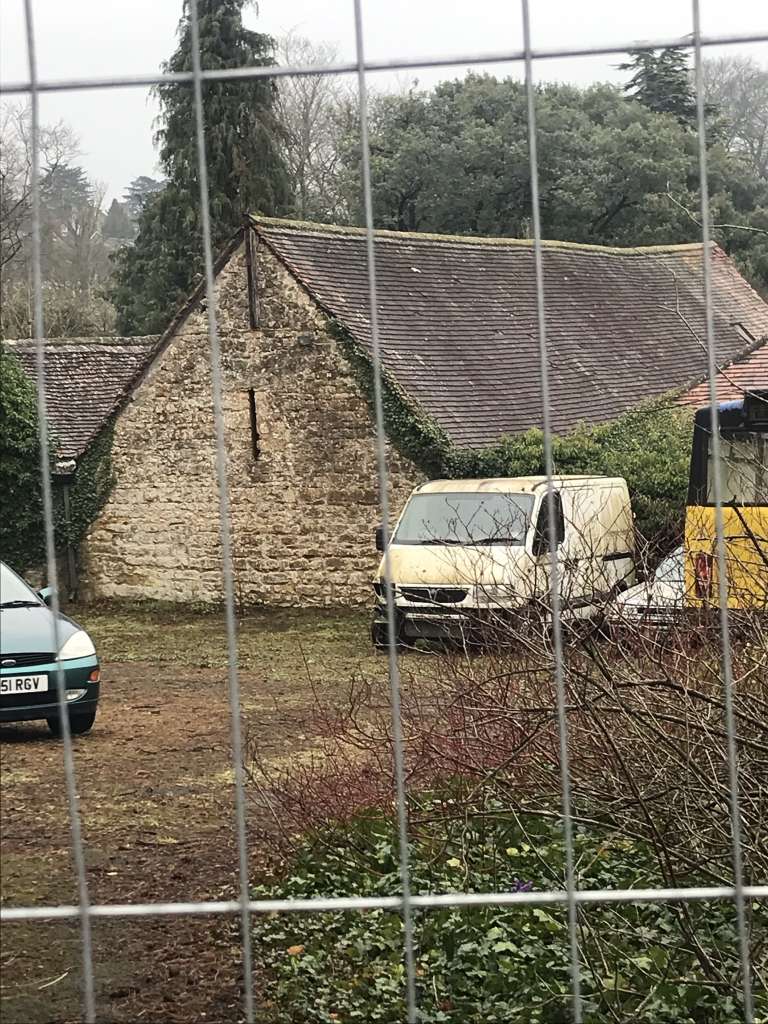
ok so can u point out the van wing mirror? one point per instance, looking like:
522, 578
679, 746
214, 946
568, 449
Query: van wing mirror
46, 595
379, 538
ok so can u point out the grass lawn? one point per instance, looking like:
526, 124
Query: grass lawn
283, 642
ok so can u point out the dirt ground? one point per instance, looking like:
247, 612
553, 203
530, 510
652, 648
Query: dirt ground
156, 799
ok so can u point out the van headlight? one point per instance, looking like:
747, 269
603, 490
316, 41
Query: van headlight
79, 645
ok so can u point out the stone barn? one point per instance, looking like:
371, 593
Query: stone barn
459, 336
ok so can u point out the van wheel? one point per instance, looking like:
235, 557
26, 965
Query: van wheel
380, 636
78, 724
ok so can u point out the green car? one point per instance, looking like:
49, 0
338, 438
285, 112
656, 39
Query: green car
28, 636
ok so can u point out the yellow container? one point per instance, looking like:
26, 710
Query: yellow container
746, 556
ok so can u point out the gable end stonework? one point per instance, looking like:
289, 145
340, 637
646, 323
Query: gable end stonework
303, 512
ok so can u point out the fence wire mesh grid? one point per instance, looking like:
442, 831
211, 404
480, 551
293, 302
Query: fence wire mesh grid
571, 897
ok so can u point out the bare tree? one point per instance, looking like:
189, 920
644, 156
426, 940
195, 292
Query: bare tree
311, 109
74, 256
80, 254
57, 147
738, 87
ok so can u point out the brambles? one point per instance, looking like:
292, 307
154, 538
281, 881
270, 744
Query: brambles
651, 804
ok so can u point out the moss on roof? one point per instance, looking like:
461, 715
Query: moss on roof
481, 240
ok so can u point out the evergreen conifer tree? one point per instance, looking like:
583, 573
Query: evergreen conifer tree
245, 170
117, 223
661, 81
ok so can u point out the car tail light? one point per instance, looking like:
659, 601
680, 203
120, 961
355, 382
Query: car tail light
702, 566
95, 676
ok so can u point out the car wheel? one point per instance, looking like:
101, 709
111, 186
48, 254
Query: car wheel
78, 724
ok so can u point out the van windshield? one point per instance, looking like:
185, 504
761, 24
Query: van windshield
466, 517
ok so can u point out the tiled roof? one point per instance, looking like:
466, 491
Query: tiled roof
458, 325
85, 380
748, 374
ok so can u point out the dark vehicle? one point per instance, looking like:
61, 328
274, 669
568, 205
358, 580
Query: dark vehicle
28, 687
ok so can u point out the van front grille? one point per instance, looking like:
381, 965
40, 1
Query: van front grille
434, 595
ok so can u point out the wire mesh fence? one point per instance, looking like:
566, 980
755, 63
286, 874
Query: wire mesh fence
571, 896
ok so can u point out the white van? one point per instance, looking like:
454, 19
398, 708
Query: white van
464, 550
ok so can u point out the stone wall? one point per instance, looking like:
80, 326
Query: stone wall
303, 512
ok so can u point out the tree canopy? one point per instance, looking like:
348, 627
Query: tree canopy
612, 171
139, 192
246, 172
313, 111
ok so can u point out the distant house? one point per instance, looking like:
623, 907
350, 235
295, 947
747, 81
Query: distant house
458, 330
749, 373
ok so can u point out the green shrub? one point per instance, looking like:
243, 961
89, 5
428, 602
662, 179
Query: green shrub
487, 965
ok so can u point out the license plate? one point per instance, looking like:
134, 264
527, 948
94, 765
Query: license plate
23, 684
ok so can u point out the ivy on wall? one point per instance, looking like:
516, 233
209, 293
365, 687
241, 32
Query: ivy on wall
414, 434
649, 446
89, 489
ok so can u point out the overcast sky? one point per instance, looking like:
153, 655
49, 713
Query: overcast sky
78, 38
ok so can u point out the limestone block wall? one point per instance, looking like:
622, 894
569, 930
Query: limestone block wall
303, 508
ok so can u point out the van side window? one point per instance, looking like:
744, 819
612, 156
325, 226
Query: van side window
541, 538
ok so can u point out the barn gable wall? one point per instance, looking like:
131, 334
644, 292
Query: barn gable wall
303, 512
